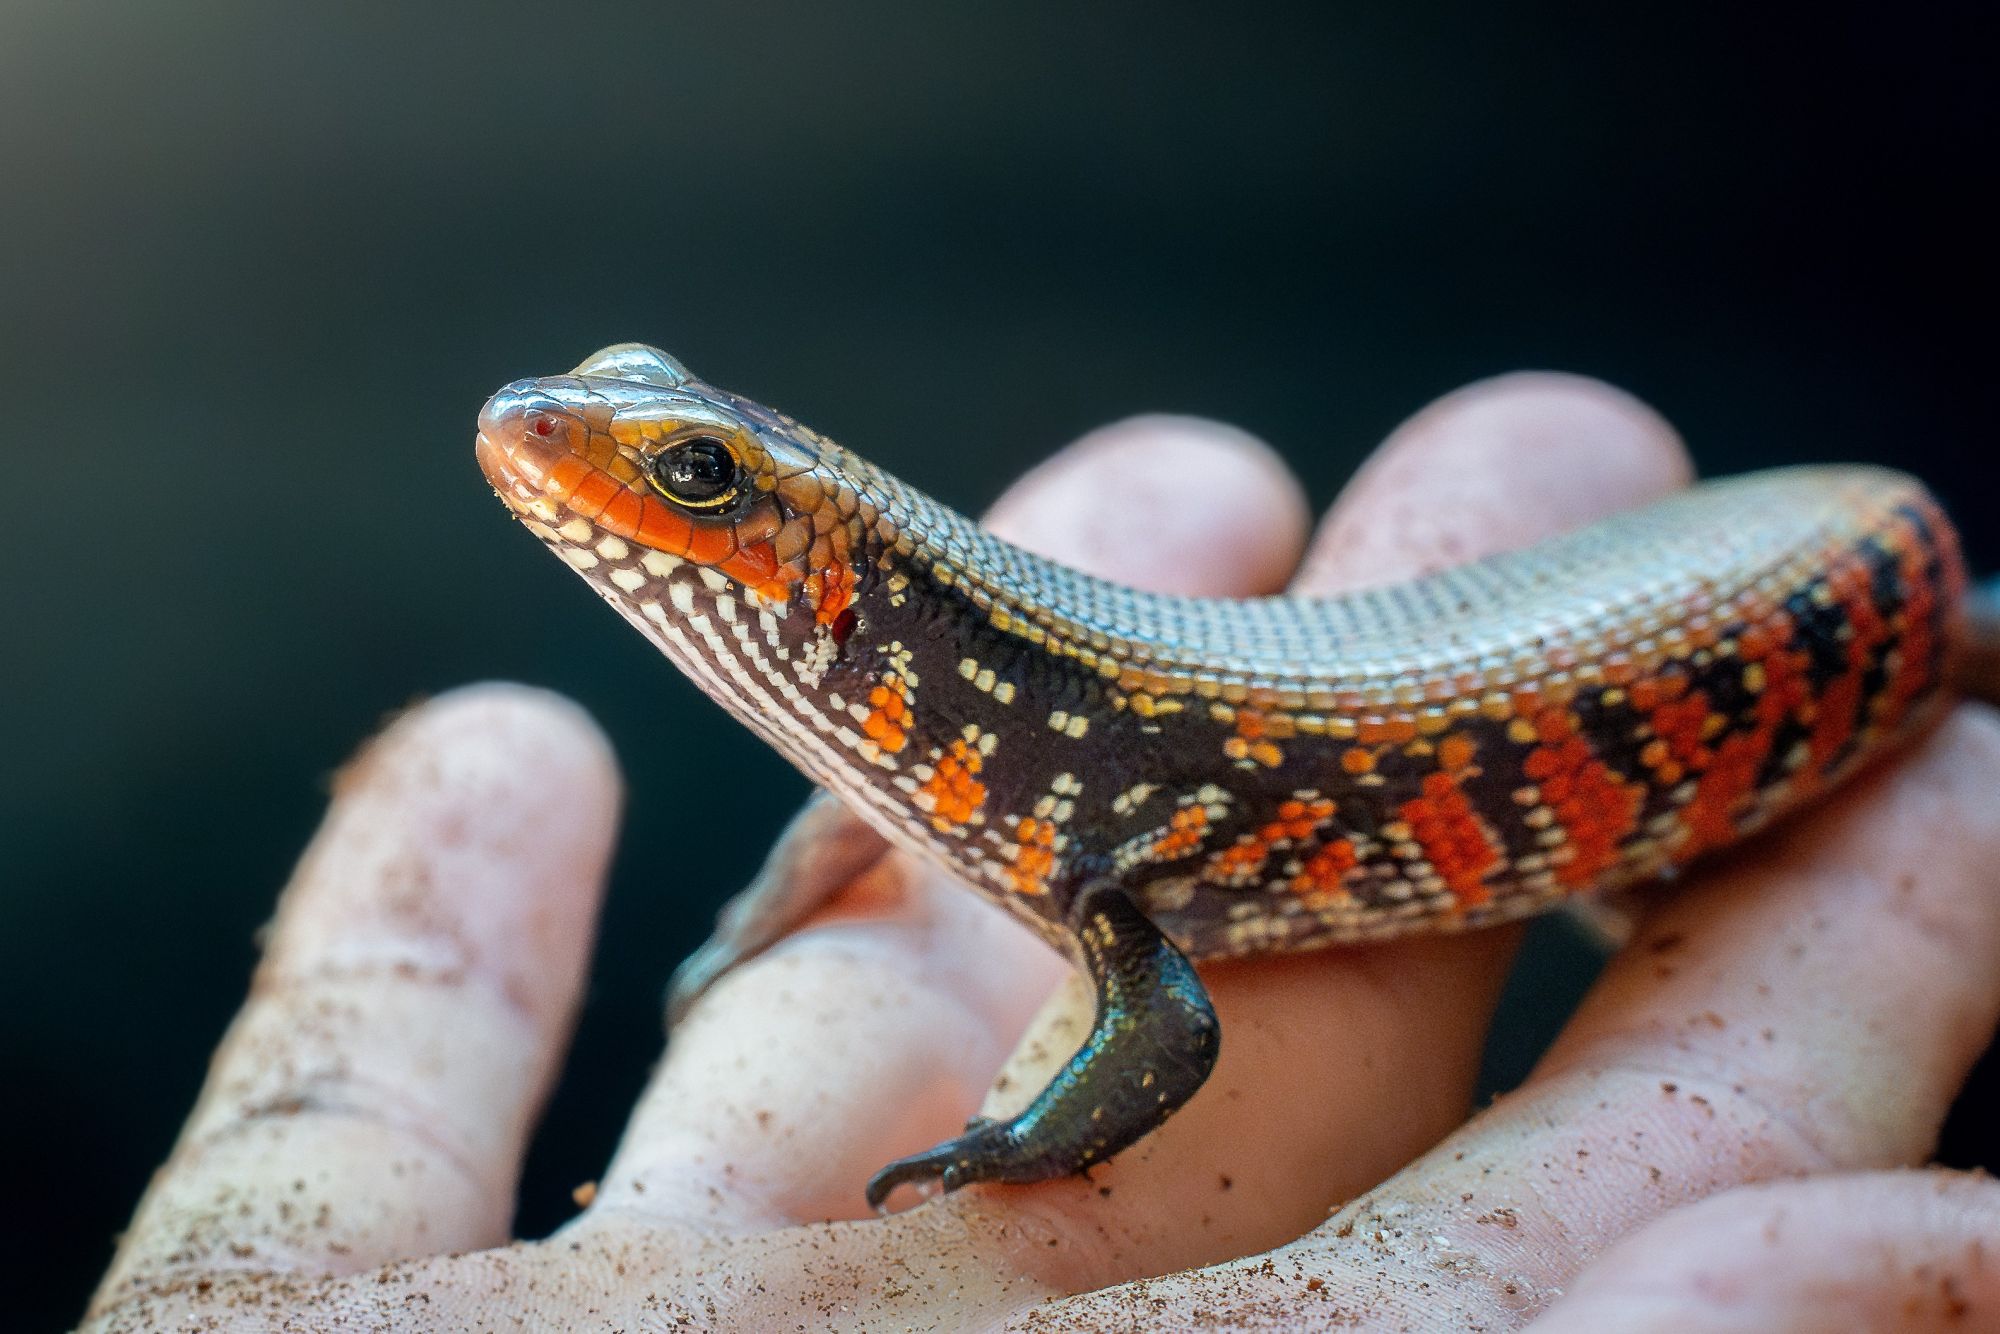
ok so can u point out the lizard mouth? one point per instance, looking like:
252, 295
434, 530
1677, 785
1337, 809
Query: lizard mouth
511, 486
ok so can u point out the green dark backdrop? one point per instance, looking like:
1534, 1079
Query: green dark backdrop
261, 264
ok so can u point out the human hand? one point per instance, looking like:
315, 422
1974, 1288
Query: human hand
1798, 1016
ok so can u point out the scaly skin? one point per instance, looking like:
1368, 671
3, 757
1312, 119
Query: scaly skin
1244, 776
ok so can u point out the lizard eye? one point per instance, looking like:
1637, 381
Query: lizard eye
698, 473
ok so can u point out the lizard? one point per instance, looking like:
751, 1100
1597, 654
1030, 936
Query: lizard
1150, 781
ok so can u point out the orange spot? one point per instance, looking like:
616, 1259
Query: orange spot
1595, 807
1326, 870
1839, 707
889, 715
1727, 788
954, 788
1456, 751
1298, 819
1356, 760
1394, 730
1242, 861
1034, 857
1443, 824
1680, 722
1185, 830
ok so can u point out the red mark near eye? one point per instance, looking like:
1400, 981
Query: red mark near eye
545, 426
843, 626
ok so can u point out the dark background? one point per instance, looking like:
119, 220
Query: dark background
260, 264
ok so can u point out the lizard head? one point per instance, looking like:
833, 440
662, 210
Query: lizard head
733, 537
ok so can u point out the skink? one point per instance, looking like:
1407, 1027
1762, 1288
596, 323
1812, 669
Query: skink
1148, 780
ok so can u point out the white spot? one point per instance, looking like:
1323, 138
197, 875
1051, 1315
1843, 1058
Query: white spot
613, 547
577, 530
579, 558
714, 582
1123, 803
629, 579
660, 563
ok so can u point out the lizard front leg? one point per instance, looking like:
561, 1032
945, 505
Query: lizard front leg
1151, 1046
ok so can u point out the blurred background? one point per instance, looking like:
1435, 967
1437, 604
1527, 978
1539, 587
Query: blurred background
259, 265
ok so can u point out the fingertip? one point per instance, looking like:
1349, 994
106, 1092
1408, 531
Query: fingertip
1499, 464
1174, 504
480, 823
499, 723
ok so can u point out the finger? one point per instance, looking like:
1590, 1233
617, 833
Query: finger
1337, 1067
1495, 466
372, 1099
1906, 1251
874, 1032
